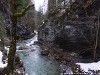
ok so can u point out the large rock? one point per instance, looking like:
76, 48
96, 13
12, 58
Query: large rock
74, 32
65, 34
45, 52
22, 47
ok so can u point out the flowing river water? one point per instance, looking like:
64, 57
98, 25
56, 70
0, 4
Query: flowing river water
34, 62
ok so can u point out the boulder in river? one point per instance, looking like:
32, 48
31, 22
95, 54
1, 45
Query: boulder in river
36, 43
23, 46
33, 50
45, 52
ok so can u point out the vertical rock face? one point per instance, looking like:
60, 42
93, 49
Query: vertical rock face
28, 20
5, 13
51, 3
47, 32
67, 31
25, 24
62, 33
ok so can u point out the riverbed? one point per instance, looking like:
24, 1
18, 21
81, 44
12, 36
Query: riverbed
34, 62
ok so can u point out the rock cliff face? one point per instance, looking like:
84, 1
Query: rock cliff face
64, 33
4, 11
70, 33
25, 24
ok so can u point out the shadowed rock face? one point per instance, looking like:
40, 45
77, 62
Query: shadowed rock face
64, 34
71, 33
93, 7
6, 15
22, 31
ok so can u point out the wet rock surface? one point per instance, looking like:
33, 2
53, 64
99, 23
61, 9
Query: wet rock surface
19, 69
23, 46
1, 71
44, 52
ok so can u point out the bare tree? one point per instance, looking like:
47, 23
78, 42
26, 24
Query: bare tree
96, 38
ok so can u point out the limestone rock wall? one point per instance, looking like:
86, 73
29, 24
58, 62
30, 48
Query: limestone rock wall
69, 31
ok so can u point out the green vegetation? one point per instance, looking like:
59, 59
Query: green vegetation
2, 27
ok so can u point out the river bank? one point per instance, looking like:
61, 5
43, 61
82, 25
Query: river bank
34, 61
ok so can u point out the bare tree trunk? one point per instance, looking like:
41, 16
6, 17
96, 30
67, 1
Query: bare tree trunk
96, 40
64, 3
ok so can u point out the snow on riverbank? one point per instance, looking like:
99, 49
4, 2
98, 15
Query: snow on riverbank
7, 49
95, 66
1, 63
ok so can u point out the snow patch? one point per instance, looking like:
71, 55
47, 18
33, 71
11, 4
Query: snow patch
95, 66
67, 27
7, 49
35, 32
1, 63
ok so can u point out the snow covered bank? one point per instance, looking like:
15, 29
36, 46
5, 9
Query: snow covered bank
1, 63
95, 66
7, 49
